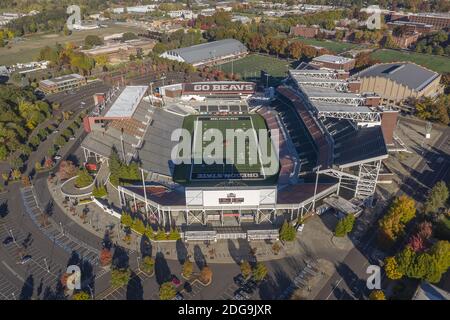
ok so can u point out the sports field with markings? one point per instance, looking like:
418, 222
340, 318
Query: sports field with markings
238, 152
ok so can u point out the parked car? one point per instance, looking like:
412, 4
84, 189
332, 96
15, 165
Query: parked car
72, 138
239, 280
242, 292
246, 288
57, 157
175, 281
8, 240
179, 296
25, 259
237, 296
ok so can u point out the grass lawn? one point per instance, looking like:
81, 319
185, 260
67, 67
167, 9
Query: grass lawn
28, 49
250, 66
436, 63
337, 47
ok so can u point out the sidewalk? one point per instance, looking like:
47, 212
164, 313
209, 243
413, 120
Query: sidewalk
98, 222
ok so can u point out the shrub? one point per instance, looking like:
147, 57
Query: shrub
206, 275
167, 291
344, 226
246, 269
126, 219
83, 179
260, 271
81, 296
138, 226
188, 268
174, 234
377, 295
148, 264
120, 277
287, 232
105, 257
99, 191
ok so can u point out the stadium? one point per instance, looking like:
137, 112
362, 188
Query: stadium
326, 139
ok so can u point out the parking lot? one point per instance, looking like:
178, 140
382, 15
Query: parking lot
8, 291
57, 234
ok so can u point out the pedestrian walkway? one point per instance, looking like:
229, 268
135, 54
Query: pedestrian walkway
57, 234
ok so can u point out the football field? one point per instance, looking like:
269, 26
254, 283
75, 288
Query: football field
235, 156
233, 160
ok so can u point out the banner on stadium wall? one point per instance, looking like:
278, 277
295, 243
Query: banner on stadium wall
234, 198
227, 87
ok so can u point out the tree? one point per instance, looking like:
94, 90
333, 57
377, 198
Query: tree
126, 220
82, 295
188, 268
287, 232
105, 257
67, 170
260, 271
174, 234
138, 226
120, 277
60, 141
129, 36
377, 295
246, 269
392, 225
436, 197
167, 291
148, 264
344, 226
92, 41
83, 179
392, 269
206, 275
99, 191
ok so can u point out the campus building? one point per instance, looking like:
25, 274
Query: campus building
208, 53
437, 20
63, 83
116, 52
333, 62
395, 82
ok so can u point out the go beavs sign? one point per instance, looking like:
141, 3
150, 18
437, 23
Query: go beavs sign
220, 87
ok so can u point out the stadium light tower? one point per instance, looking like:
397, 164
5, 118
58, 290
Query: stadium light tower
316, 169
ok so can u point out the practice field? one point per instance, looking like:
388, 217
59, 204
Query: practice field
237, 160
28, 48
336, 47
436, 63
250, 66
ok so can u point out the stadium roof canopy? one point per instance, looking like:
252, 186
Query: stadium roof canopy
336, 107
127, 102
408, 74
210, 50
365, 144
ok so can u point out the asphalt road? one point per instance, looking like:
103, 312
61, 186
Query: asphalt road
349, 281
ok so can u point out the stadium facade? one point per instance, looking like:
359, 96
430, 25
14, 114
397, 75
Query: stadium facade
331, 140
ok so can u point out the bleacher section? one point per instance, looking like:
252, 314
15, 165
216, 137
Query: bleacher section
318, 136
287, 160
157, 147
307, 155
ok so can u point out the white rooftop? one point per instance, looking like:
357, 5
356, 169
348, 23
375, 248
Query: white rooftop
332, 59
127, 102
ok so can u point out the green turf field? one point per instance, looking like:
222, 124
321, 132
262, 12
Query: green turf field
335, 46
439, 64
243, 168
250, 66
